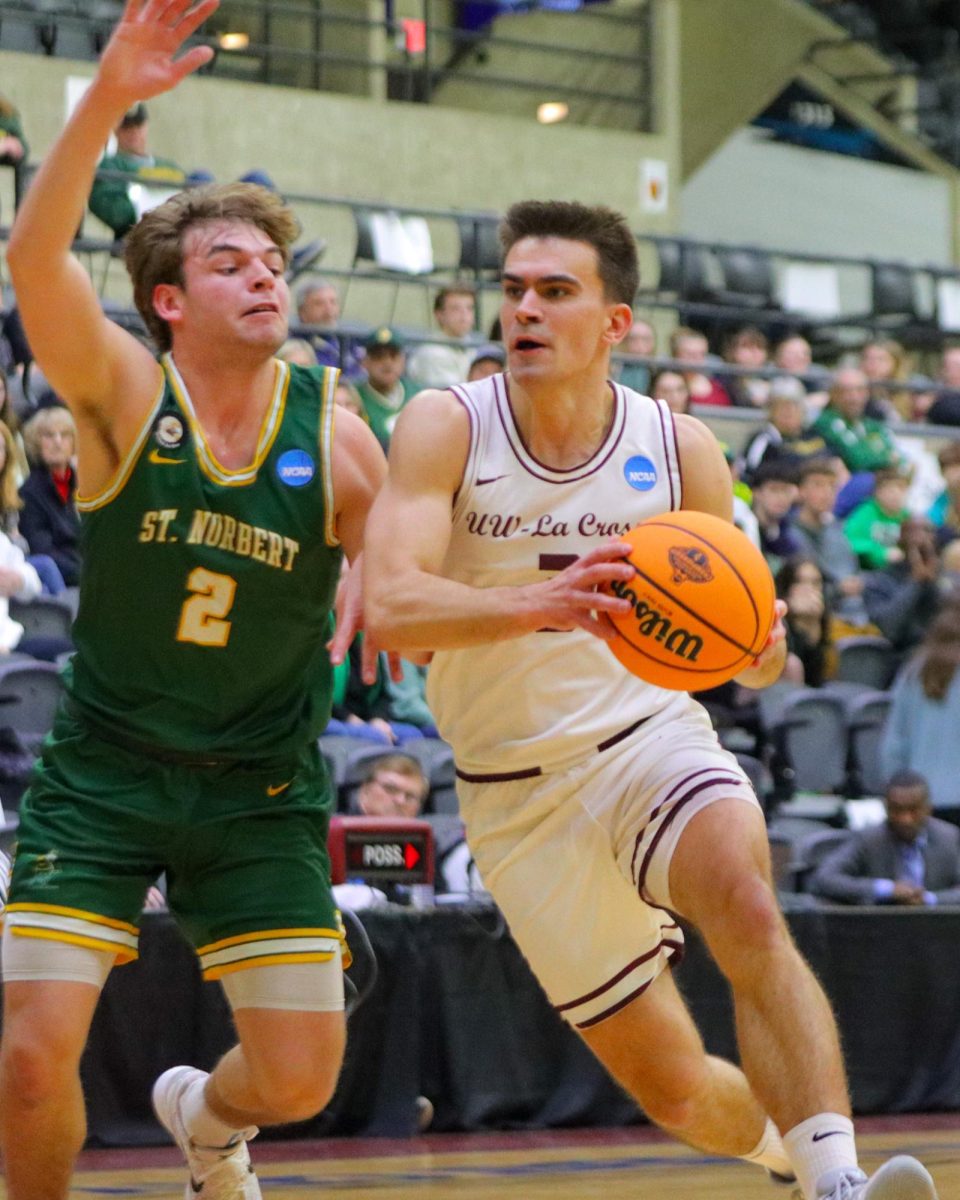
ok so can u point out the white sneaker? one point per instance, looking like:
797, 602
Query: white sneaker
902, 1178
216, 1172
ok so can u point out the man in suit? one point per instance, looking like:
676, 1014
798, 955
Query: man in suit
912, 858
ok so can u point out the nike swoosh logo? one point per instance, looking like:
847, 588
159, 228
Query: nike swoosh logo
493, 479
276, 789
819, 1137
157, 457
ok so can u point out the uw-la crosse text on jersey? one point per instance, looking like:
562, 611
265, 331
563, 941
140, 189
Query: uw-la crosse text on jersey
547, 698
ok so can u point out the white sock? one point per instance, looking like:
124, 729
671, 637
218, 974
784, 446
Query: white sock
820, 1144
769, 1152
204, 1127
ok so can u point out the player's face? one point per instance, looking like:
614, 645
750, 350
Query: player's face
234, 288
555, 318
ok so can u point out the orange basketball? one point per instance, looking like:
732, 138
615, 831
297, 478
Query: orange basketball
702, 599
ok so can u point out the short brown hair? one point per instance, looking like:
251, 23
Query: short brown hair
440, 298
154, 247
949, 454
600, 227
401, 764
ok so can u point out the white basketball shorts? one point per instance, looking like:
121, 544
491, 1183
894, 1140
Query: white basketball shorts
578, 860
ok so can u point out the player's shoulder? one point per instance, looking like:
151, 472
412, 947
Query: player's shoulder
694, 438
436, 409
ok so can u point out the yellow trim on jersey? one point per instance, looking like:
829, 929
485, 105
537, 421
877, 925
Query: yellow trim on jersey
61, 910
267, 935
207, 460
266, 960
328, 409
123, 955
115, 485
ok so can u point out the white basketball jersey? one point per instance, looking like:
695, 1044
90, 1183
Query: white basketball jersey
548, 698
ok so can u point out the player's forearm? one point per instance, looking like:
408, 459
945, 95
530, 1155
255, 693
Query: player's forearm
51, 212
429, 612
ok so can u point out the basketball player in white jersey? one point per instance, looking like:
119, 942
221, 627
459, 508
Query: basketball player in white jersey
597, 805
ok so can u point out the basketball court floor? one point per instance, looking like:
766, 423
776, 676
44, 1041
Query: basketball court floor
623, 1164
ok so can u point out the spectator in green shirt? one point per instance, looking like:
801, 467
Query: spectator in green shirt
387, 388
873, 528
863, 443
119, 203
13, 145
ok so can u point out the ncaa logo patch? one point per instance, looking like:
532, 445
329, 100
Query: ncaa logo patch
295, 468
640, 473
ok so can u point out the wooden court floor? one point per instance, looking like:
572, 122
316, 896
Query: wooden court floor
626, 1164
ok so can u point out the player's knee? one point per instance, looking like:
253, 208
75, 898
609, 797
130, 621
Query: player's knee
671, 1100
749, 930
34, 1068
299, 1091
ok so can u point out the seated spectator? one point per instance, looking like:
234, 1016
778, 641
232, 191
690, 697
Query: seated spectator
800, 583
821, 537
394, 786
774, 494
690, 347
945, 409
10, 506
408, 697
440, 364
873, 528
793, 354
13, 145
347, 396
489, 360
911, 858
922, 726
641, 340
902, 598
20, 581
945, 512
49, 520
365, 710
318, 304
863, 443
672, 387
884, 363
785, 436
10, 418
299, 351
120, 203
387, 388
750, 349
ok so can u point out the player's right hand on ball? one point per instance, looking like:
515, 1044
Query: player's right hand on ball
571, 599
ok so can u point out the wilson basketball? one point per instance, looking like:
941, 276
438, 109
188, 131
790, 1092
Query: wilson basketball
702, 602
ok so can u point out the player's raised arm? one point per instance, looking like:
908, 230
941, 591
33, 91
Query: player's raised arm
90, 361
410, 604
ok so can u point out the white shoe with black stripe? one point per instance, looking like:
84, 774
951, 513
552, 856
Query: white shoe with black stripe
216, 1172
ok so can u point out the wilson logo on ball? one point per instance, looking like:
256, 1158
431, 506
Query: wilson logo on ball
689, 563
653, 624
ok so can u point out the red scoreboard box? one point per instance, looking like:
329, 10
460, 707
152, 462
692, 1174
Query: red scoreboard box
381, 850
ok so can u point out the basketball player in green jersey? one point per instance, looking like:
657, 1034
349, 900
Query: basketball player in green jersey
218, 497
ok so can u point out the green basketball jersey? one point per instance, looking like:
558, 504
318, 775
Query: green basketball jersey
206, 593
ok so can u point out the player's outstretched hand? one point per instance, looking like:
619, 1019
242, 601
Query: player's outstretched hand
140, 59
570, 599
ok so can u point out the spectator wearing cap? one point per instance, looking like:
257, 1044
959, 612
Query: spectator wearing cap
387, 389
119, 203
318, 308
945, 512
441, 364
488, 360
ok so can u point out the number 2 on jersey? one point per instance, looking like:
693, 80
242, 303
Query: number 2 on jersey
202, 616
